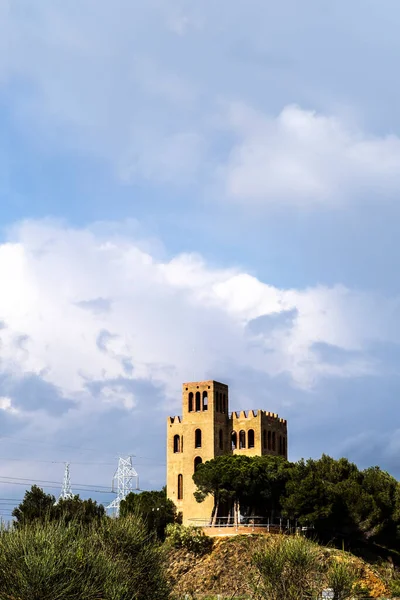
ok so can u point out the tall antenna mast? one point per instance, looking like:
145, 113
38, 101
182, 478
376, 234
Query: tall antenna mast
125, 480
66, 490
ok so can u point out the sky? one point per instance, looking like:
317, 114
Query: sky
189, 191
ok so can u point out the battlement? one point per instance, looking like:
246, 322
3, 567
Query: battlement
174, 420
251, 414
198, 384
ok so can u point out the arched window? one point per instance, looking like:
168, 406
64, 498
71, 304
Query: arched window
197, 438
198, 403
197, 462
250, 438
177, 444
180, 487
224, 403
242, 439
273, 441
264, 438
205, 400
221, 440
234, 440
269, 441
190, 403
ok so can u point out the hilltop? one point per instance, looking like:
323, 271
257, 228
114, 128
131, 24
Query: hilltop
226, 568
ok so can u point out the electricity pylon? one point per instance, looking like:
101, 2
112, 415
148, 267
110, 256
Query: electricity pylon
125, 480
66, 490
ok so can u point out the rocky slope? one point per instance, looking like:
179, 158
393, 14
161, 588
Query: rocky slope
226, 569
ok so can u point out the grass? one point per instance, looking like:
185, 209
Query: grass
115, 560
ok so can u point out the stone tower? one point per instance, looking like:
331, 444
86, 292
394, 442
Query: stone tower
206, 430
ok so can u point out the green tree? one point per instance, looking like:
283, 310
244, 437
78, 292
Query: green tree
321, 493
378, 513
76, 509
36, 505
154, 508
39, 506
253, 483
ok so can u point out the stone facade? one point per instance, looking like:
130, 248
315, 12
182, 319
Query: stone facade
207, 429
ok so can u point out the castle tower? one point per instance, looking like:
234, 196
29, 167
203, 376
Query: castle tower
207, 430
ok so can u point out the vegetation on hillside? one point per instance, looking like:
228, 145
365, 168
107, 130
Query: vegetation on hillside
154, 508
73, 550
112, 559
334, 497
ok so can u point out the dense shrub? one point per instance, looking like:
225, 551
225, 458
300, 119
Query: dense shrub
291, 569
191, 538
112, 560
297, 568
342, 580
154, 508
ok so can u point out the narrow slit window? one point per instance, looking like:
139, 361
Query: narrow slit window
221, 440
205, 401
190, 402
180, 487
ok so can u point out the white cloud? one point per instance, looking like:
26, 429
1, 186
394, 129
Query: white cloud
6, 405
305, 159
163, 321
102, 87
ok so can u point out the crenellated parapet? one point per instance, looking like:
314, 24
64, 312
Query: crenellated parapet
254, 414
175, 420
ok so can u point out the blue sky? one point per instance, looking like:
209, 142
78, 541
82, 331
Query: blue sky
196, 190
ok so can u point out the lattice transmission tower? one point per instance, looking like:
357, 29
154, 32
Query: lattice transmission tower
125, 480
66, 490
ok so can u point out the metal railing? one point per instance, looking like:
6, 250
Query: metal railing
269, 524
